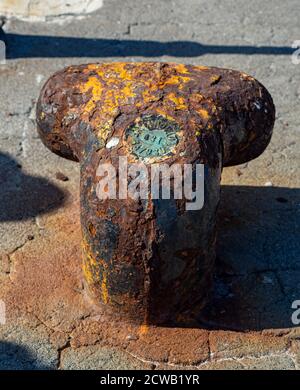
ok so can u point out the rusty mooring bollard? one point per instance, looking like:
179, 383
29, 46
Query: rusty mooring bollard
151, 260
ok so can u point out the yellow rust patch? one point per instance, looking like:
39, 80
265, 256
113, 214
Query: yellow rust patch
87, 273
126, 91
109, 99
120, 68
115, 85
148, 95
89, 268
89, 107
178, 101
103, 130
144, 329
196, 98
92, 271
91, 67
181, 68
246, 76
175, 79
203, 113
200, 67
162, 112
104, 289
215, 78
92, 230
95, 86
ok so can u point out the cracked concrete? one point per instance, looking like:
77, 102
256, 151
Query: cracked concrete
50, 322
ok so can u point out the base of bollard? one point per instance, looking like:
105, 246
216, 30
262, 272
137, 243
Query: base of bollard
183, 318
46, 290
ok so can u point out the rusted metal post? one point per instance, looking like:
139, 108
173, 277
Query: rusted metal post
151, 261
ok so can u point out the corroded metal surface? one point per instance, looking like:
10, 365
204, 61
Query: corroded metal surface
152, 261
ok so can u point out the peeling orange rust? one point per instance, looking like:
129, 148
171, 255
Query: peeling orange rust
152, 261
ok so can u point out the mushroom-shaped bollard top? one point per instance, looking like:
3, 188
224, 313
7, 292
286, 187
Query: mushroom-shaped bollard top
151, 261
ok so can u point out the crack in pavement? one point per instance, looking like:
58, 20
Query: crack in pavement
60, 351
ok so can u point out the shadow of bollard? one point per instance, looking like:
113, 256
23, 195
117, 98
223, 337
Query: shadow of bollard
44, 46
17, 357
257, 269
22, 196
